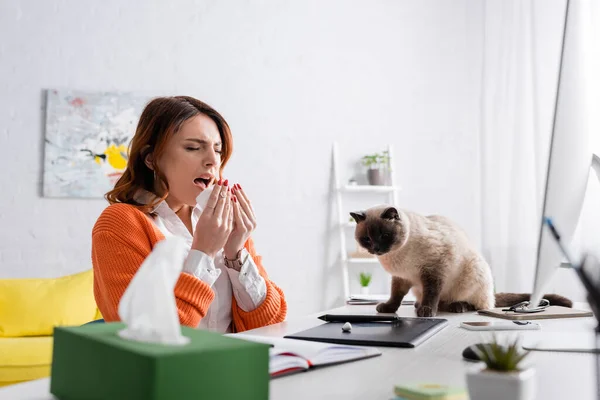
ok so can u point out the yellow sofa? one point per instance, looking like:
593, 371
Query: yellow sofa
29, 311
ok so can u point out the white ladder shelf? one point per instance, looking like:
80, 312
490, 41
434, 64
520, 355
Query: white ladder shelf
344, 225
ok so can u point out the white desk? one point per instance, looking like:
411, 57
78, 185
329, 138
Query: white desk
560, 375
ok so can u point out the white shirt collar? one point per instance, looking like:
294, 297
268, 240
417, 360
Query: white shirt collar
162, 209
143, 196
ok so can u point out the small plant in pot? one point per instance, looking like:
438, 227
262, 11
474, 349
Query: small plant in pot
502, 377
378, 168
365, 280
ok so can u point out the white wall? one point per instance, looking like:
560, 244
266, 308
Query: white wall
290, 76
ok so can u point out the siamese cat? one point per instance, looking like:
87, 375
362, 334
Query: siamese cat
432, 256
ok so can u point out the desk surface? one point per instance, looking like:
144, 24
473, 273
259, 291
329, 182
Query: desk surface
559, 375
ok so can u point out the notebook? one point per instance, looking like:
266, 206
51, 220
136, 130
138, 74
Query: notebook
404, 332
369, 299
288, 356
549, 312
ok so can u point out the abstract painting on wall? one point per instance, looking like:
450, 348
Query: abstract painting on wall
87, 135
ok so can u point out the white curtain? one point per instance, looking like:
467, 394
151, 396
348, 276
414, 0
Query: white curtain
520, 59
513, 149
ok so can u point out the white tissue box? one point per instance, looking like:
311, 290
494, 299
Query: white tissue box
92, 361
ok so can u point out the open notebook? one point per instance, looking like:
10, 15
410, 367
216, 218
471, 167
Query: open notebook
369, 299
288, 356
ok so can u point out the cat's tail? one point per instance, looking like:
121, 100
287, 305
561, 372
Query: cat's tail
510, 299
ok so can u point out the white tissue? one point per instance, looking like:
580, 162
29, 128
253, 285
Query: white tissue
148, 306
202, 198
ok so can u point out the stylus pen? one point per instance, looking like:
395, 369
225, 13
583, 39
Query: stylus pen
556, 235
358, 318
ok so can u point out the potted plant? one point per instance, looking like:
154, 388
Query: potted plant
377, 168
502, 377
365, 280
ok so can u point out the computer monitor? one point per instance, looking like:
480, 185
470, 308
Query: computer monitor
570, 155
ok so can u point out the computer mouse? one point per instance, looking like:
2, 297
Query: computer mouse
470, 354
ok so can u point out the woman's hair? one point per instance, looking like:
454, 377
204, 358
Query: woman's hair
160, 120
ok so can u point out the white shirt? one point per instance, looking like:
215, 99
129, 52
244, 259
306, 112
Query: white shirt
248, 287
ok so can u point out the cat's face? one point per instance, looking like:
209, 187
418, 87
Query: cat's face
378, 230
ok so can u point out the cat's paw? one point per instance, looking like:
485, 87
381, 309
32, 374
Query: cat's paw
460, 307
425, 311
417, 305
387, 307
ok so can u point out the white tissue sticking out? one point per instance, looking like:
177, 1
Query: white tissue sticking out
347, 327
148, 306
202, 198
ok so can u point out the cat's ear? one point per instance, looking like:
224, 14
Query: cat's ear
391, 213
358, 216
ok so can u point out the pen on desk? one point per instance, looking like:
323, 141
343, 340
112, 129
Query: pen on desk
358, 318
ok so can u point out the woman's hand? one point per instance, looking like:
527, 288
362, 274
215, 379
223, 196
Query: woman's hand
216, 221
244, 223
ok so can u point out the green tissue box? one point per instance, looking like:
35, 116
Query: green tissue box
93, 362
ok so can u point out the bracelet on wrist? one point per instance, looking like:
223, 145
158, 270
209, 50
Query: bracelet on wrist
235, 263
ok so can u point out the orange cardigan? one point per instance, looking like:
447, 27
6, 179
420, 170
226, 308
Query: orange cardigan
124, 236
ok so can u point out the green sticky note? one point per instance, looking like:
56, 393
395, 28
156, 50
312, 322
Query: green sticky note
430, 391
93, 362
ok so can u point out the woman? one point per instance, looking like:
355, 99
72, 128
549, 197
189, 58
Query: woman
179, 149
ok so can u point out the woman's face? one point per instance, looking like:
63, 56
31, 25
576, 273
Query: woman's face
191, 159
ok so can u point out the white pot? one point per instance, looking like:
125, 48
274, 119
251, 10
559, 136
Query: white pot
484, 384
364, 290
